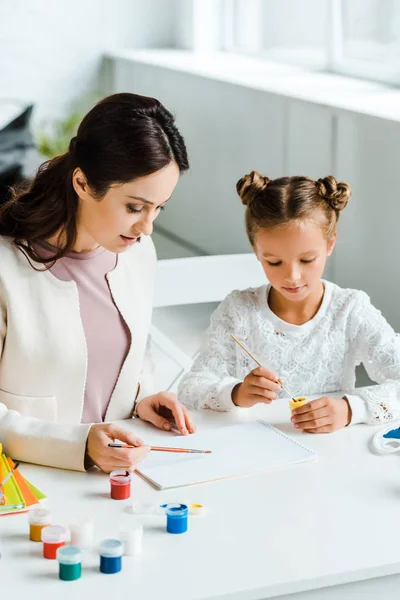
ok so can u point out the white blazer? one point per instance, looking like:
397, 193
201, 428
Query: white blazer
43, 357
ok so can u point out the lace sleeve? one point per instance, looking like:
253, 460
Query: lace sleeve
378, 347
212, 377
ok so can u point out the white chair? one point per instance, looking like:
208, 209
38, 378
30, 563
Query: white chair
196, 280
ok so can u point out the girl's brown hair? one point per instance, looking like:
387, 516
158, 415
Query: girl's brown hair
275, 202
123, 137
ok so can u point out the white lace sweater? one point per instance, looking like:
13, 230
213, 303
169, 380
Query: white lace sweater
315, 358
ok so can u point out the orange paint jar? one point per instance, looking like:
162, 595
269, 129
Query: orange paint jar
38, 519
53, 537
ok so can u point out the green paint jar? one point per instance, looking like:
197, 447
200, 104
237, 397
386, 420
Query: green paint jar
70, 567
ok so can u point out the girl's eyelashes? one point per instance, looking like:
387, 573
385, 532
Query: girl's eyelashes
137, 210
303, 260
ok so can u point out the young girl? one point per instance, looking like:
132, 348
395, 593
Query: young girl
308, 333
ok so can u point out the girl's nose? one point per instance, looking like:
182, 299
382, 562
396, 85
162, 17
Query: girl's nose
293, 275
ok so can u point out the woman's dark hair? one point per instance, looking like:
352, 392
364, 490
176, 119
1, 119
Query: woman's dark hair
123, 137
276, 202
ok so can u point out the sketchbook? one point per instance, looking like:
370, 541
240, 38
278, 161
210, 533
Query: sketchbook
236, 450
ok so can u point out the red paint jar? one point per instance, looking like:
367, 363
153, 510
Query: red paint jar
53, 537
120, 482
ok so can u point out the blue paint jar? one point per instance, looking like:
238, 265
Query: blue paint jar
177, 518
111, 552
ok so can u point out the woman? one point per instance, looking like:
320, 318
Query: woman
77, 268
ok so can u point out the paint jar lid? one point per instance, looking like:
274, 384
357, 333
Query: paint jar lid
176, 510
40, 516
193, 509
144, 508
120, 477
111, 548
196, 509
69, 555
54, 534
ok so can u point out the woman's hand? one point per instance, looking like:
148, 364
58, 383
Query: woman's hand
260, 385
161, 407
108, 459
323, 415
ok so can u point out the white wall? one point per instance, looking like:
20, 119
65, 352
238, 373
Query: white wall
368, 253
51, 50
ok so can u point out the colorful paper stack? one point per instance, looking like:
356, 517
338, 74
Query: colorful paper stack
19, 494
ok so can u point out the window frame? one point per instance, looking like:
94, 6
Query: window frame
336, 62
365, 69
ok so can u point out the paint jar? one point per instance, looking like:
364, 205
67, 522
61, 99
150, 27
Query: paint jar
53, 537
296, 402
82, 533
120, 482
132, 539
111, 552
38, 519
197, 509
177, 518
70, 567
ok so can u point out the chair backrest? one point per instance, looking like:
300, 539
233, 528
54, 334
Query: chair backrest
196, 280
199, 279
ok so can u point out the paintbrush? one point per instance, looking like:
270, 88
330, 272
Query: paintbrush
3, 483
163, 449
260, 365
7, 477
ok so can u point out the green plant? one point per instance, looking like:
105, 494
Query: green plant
54, 136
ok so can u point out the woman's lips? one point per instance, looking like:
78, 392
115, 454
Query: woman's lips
128, 240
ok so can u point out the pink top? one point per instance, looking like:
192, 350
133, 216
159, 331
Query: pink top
107, 335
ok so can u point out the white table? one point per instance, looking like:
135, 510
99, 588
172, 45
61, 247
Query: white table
328, 522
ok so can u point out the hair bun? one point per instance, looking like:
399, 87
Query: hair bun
335, 194
249, 186
72, 145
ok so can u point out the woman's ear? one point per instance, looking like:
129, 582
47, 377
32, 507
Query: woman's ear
80, 184
332, 243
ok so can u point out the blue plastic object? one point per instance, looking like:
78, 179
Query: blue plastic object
177, 518
111, 552
393, 433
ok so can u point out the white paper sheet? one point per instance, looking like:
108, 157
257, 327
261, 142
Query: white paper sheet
236, 450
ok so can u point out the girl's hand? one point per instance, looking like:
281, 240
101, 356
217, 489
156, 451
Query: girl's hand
157, 409
109, 459
260, 385
323, 415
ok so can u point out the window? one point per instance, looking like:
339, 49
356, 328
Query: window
293, 31
367, 40
354, 37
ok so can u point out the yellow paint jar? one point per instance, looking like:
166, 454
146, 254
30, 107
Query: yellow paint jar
38, 519
296, 402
